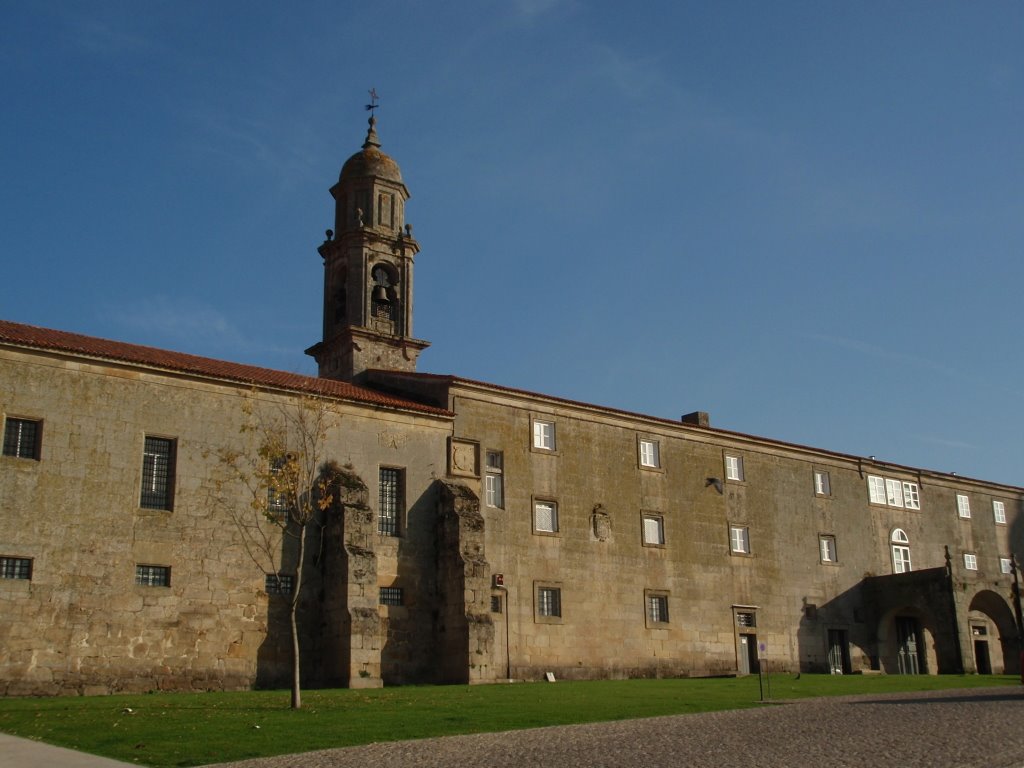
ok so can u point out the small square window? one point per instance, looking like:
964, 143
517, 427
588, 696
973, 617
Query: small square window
970, 561
549, 602
654, 530
734, 468
22, 438
822, 483
391, 596
543, 435
650, 454
963, 505
1005, 565
153, 575
16, 568
827, 548
545, 517
739, 539
657, 609
999, 512
279, 583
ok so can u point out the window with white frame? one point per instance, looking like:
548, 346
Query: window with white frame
494, 479
822, 483
893, 493
545, 517
389, 509
650, 454
827, 548
22, 438
739, 539
963, 505
157, 474
999, 512
900, 551
16, 568
549, 602
1005, 565
970, 561
543, 435
153, 575
733, 467
654, 530
657, 608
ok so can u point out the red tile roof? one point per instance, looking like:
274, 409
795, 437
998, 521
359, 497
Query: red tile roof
18, 335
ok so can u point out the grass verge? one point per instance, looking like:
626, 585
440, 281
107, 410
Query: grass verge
179, 729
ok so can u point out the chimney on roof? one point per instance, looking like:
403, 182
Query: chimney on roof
698, 418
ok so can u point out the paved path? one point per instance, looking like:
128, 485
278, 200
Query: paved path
979, 728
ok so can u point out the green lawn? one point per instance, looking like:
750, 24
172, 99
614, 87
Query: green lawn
192, 729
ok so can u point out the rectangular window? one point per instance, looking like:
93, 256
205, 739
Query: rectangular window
22, 438
893, 493
999, 512
549, 602
153, 575
734, 468
649, 454
495, 603
822, 484
157, 474
1005, 565
746, 619
544, 435
739, 539
876, 489
494, 486
827, 549
391, 595
279, 584
654, 530
970, 561
16, 568
277, 490
911, 498
545, 517
390, 505
963, 505
657, 609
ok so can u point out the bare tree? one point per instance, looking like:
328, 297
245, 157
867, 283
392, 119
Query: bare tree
275, 494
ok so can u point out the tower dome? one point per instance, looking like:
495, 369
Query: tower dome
370, 161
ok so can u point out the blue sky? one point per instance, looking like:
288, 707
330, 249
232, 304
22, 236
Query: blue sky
806, 218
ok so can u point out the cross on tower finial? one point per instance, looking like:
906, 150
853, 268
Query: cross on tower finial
373, 101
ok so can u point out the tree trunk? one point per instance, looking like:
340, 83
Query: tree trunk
296, 677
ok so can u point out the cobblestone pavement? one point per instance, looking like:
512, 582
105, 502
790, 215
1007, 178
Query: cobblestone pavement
981, 728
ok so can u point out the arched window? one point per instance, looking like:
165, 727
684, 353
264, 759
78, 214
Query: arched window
900, 551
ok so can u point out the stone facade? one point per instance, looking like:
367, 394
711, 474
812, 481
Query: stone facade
475, 532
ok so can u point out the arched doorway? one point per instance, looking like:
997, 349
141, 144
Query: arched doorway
906, 642
993, 635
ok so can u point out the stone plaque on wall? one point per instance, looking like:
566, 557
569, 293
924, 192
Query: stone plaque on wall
463, 458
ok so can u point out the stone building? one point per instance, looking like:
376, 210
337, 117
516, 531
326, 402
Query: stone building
476, 533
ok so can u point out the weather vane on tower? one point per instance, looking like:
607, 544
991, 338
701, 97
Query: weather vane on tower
373, 101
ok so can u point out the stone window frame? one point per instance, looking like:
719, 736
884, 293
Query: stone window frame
970, 561
151, 575
494, 479
537, 438
556, 523
392, 523
734, 469
552, 601
645, 516
1005, 565
653, 463
822, 483
736, 542
828, 553
16, 568
154, 449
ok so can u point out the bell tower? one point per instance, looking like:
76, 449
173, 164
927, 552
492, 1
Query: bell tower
368, 270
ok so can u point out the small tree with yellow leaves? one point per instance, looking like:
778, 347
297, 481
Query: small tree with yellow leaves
274, 494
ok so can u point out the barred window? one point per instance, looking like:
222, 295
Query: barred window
545, 517
746, 619
279, 584
390, 595
157, 473
21, 438
549, 601
153, 575
657, 609
495, 603
16, 568
277, 494
390, 501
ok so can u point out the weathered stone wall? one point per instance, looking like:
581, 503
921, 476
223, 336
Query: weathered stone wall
81, 625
